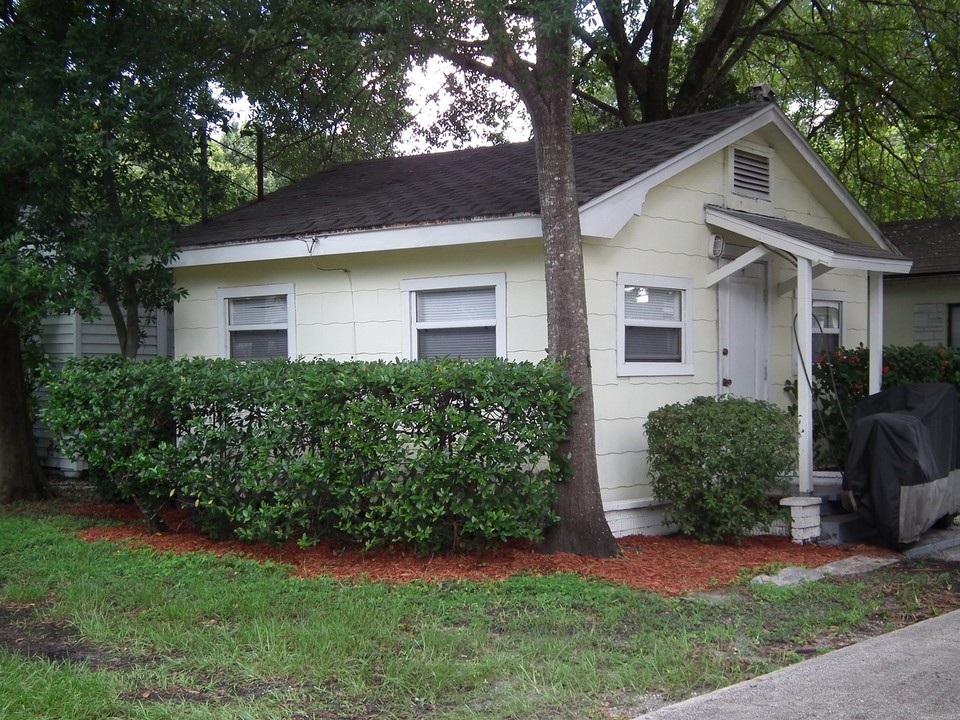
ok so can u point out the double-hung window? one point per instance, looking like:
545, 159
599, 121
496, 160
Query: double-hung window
827, 325
462, 316
653, 318
257, 323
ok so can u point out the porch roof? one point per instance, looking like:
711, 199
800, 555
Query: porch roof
799, 240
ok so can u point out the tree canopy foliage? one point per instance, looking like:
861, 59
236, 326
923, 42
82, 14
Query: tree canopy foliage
107, 99
106, 105
102, 102
873, 83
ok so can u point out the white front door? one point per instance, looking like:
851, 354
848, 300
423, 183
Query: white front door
743, 333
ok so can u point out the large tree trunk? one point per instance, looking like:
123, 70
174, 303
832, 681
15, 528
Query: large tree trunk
583, 528
20, 475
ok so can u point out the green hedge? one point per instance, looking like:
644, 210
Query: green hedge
841, 381
716, 461
435, 454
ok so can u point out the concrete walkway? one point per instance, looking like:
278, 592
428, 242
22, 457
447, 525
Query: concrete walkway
909, 674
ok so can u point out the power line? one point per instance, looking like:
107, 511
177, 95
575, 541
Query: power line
251, 158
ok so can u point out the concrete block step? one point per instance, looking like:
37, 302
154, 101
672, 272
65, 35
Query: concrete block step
845, 528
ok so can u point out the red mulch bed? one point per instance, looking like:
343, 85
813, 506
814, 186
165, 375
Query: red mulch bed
665, 565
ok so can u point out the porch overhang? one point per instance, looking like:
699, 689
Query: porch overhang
813, 252
822, 249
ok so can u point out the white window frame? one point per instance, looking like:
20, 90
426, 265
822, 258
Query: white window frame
648, 369
408, 298
824, 298
223, 308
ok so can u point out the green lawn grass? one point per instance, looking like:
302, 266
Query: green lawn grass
194, 636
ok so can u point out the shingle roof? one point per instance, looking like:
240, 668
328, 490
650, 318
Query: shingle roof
498, 181
934, 245
805, 233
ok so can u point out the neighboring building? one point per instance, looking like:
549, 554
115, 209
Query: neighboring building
67, 336
924, 306
709, 243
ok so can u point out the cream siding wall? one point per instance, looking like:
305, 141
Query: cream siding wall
916, 310
349, 307
670, 239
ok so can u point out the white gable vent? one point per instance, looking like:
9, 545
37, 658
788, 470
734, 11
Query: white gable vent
751, 174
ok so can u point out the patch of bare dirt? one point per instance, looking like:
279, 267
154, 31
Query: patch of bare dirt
24, 631
196, 695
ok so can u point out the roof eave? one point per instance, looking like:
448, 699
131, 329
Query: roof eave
605, 215
799, 248
461, 232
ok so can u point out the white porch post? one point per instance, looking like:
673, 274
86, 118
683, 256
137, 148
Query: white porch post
803, 349
875, 331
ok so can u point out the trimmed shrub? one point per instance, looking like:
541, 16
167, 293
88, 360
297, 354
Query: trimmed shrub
117, 414
451, 454
716, 461
246, 453
436, 455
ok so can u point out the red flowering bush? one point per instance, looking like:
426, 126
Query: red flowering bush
841, 381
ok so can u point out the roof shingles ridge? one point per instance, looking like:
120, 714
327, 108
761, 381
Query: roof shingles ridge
486, 182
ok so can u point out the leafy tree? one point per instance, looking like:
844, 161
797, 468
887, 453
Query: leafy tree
102, 101
873, 83
528, 47
647, 61
232, 156
26, 287
30, 282
322, 90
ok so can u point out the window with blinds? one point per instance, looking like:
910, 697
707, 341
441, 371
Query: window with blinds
654, 322
456, 322
257, 327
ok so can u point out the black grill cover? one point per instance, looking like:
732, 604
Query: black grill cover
904, 444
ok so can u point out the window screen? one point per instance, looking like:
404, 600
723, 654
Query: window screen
460, 322
826, 326
654, 324
257, 327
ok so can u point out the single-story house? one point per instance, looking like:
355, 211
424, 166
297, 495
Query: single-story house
924, 306
709, 243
